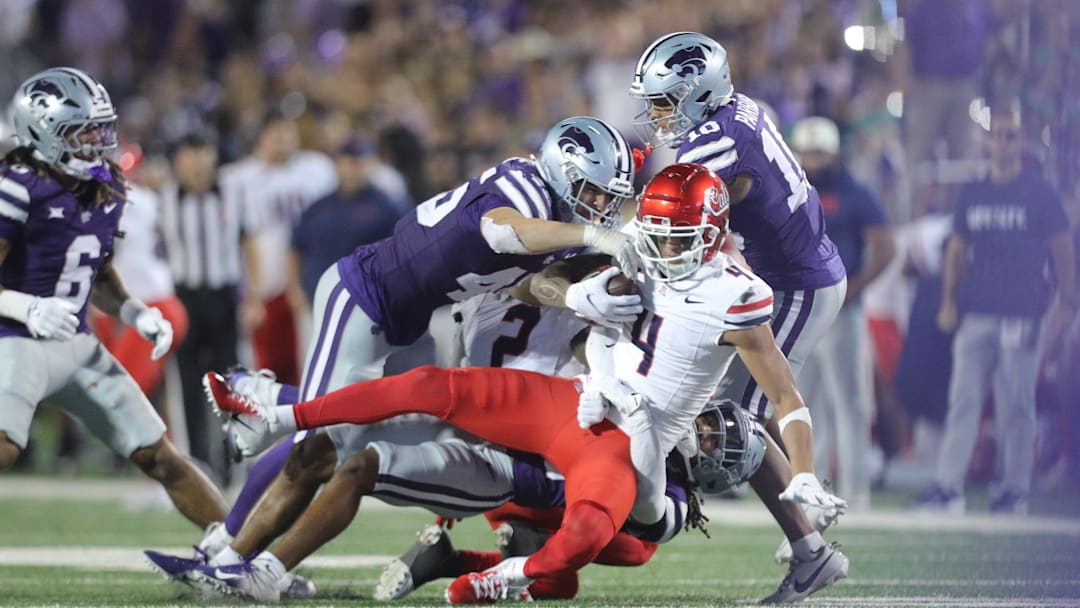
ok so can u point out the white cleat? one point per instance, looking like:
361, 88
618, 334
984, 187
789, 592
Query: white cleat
827, 566
254, 424
252, 581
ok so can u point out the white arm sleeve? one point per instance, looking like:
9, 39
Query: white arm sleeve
502, 238
600, 350
649, 507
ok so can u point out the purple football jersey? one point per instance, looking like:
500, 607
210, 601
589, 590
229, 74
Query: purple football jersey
58, 242
437, 254
781, 220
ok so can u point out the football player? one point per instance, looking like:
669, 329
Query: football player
700, 309
690, 104
61, 200
484, 236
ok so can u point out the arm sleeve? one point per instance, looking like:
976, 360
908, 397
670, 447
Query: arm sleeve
14, 206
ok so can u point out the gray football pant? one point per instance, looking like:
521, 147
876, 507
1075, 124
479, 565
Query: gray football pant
999, 354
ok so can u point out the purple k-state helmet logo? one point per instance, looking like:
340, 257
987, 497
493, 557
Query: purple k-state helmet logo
687, 61
575, 141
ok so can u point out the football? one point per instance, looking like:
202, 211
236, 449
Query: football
618, 285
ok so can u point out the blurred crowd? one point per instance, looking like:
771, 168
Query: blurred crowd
439, 91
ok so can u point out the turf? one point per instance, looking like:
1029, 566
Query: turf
890, 566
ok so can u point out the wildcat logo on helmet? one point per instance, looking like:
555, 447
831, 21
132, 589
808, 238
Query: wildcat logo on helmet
575, 141
688, 61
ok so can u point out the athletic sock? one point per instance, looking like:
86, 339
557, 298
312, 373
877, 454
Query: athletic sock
805, 548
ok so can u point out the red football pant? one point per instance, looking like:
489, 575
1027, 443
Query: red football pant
520, 410
133, 351
275, 341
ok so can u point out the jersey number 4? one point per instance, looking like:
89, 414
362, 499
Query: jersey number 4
644, 334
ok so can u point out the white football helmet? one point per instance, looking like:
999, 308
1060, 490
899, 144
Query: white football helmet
731, 447
687, 73
53, 108
584, 151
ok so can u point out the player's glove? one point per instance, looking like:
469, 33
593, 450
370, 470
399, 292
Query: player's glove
150, 325
590, 300
806, 489
592, 408
617, 393
616, 244
52, 319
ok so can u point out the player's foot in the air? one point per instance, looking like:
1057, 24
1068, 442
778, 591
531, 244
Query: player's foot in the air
492, 585
254, 422
432, 556
826, 566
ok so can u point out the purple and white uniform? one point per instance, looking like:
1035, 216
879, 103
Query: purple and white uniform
58, 245
379, 299
782, 227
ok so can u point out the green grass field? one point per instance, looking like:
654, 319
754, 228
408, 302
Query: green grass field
75, 544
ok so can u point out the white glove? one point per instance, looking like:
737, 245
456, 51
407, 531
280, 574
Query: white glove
591, 300
618, 245
592, 408
617, 392
806, 489
52, 319
150, 325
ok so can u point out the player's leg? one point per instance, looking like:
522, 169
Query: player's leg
106, 399
481, 401
44, 367
626, 550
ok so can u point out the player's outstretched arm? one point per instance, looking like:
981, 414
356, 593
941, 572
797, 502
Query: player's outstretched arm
767, 364
507, 231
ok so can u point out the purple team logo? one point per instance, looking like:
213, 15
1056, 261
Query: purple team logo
688, 61
575, 142
44, 93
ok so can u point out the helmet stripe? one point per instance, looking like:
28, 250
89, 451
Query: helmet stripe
623, 156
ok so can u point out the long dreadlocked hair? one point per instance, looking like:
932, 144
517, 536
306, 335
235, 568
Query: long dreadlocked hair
678, 473
102, 192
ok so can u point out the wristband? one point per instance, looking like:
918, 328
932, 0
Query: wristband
16, 305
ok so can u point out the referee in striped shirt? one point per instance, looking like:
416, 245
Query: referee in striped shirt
210, 254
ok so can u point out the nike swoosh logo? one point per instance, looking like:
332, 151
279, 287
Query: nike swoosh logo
110, 207
690, 300
612, 345
801, 586
225, 576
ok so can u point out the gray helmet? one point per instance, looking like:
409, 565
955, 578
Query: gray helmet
740, 447
688, 72
583, 151
52, 108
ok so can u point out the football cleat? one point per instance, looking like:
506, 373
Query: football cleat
294, 585
432, 556
253, 422
825, 567
249, 580
936, 498
820, 518
1009, 502
491, 585
517, 538
174, 567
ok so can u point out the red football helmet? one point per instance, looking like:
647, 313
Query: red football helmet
681, 221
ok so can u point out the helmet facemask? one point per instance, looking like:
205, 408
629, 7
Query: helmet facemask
663, 121
729, 448
682, 257
581, 191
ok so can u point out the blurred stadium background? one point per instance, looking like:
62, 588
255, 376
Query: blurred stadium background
437, 91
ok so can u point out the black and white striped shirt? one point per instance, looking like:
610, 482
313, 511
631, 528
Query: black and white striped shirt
202, 235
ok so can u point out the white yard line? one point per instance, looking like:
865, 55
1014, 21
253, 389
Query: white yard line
126, 559
720, 512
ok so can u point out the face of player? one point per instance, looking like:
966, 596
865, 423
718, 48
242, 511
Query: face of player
673, 246
708, 428
660, 110
592, 197
89, 138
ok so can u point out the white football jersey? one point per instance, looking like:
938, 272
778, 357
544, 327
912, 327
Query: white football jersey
673, 353
499, 331
272, 199
138, 256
